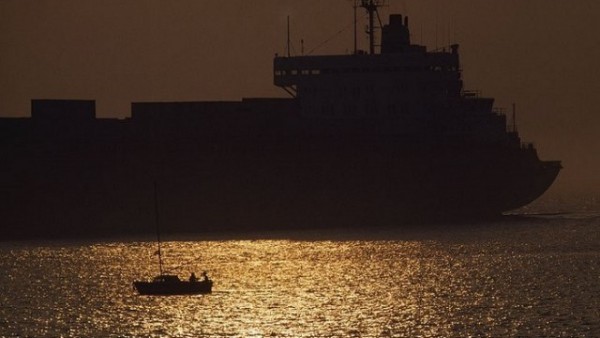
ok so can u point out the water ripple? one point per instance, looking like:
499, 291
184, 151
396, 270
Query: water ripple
541, 280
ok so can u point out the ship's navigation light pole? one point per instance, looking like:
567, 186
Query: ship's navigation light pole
371, 6
288, 36
355, 42
514, 117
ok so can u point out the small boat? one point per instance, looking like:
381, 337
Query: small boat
165, 284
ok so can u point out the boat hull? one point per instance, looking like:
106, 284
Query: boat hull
173, 288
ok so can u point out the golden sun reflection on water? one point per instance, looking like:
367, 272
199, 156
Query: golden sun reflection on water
292, 288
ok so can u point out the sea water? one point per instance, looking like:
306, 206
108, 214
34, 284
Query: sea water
537, 276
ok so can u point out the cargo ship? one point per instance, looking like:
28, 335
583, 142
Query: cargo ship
384, 137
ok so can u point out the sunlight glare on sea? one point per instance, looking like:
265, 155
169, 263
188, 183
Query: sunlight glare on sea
538, 277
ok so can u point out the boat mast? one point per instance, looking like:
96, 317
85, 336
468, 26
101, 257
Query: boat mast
160, 263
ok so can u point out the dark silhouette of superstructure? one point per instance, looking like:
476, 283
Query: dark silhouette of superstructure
366, 139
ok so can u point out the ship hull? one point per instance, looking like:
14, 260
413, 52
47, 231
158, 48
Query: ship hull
353, 182
366, 185
274, 182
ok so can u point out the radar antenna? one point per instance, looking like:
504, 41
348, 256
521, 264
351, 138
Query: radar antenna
371, 6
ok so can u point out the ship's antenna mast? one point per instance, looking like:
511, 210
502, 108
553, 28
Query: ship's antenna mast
371, 7
355, 42
288, 36
514, 117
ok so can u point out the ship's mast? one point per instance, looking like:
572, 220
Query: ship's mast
514, 117
288, 37
371, 6
355, 39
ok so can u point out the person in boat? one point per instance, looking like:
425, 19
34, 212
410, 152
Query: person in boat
205, 276
193, 277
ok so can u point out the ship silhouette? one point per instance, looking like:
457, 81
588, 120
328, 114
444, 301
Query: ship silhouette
371, 138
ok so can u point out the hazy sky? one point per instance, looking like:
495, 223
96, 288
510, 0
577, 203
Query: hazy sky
542, 54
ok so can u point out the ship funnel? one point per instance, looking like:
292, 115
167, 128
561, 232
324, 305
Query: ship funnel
396, 20
395, 35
